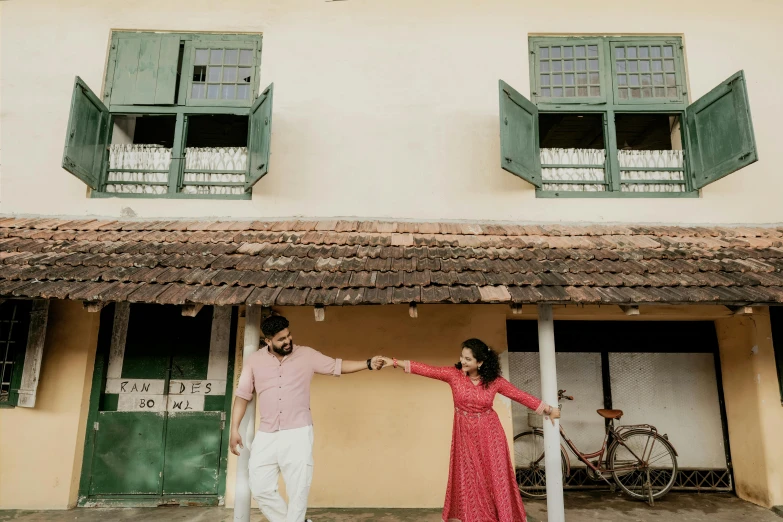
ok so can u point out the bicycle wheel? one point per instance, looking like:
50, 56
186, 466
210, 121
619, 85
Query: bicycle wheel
644, 466
530, 465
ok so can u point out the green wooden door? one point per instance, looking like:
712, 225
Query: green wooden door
128, 453
159, 428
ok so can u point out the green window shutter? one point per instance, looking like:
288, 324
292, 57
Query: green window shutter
519, 150
719, 135
260, 137
146, 70
89, 127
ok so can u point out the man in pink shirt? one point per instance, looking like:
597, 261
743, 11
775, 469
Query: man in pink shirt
280, 374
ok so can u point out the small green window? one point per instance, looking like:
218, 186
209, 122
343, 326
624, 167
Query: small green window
14, 325
610, 117
181, 117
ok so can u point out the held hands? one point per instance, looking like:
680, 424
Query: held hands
379, 361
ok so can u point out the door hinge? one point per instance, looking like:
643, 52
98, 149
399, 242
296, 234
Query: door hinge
222, 420
95, 426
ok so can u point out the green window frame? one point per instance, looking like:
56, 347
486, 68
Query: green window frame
635, 76
14, 330
157, 74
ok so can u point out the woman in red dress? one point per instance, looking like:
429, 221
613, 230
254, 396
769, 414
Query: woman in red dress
482, 485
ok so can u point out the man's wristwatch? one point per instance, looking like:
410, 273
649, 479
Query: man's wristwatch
369, 364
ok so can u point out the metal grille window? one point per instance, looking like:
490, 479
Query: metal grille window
14, 325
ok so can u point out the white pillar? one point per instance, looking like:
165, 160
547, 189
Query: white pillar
554, 472
247, 428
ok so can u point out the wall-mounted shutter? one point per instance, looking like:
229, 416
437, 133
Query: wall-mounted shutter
87, 137
519, 150
720, 137
145, 72
260, 137
31, 370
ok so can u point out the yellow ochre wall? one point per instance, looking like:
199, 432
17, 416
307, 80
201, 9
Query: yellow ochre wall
755, 416
383, 108
41, 448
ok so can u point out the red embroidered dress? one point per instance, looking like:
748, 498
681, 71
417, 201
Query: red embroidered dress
482, 486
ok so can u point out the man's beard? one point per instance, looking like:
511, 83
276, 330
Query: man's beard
283, 350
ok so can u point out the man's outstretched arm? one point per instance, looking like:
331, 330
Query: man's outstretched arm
356, 366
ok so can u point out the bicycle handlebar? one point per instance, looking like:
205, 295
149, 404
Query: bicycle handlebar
561, 395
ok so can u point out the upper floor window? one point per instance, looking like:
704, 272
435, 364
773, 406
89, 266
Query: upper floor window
609, 117
180, 117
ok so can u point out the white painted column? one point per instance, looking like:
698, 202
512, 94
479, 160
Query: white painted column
247, 428
554, 472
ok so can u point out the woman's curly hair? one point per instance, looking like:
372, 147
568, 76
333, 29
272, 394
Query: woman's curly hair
490, 368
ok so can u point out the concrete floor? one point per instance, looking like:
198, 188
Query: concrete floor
580, 507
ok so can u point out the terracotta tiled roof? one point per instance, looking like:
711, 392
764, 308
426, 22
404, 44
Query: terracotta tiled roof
369, 262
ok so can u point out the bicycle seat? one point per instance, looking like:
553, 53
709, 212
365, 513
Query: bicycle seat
610, 414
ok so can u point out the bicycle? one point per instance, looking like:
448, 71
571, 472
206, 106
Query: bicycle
641, 462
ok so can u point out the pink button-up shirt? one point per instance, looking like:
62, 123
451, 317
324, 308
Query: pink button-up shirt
283, 387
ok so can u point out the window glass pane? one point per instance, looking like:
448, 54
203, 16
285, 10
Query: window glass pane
198, 91
636, 93
557, 66
671, 80
229, 75
633, 79
545, 79
631, 52
579, 51
657, 79
646, 79
668, 51
671, 91
622, 79
655, 52
644, 52
592, 50
556, 52
568, 65
581, 79
213, 91
557, 79
633, 66
201, 56
651, 62
214, 74
581, 65
595, 91
619, 52
245, 57
593, 64
570, 92
657, 65
229, 92
546, 93
544, 67
245, 74
623, 94
232, 57
557, 92
660, 92
595, 78
668, 65
644, 66
544, 52
568, 52
216, 56
646, 92
581, 91
569, 79
621, 66
243, 92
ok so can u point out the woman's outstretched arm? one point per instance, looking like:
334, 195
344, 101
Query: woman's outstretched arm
441, 373
507, 389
